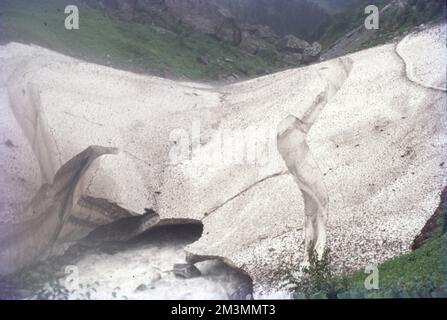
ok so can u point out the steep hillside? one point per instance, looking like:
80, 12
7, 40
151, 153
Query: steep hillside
302, 18
397, 17
150, 43
210, 40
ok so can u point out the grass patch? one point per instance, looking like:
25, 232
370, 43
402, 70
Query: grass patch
419, 274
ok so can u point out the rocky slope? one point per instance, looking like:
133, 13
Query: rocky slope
301, 18
231, 24
219, 40
150, 43
196, 153
256, 26
347, 33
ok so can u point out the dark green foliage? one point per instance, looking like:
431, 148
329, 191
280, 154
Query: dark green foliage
319, 280
319, 276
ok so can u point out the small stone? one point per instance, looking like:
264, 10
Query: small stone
141, 287
185, 270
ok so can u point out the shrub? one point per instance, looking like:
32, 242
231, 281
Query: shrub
318, 280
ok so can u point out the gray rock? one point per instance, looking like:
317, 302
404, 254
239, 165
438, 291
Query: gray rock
229, 31
141, 287
312, 53
292, 44
225, 77
292, 58
313, 50
233, 77
187, 271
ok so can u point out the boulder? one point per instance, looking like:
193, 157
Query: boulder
312, 52
291, 43
229, 31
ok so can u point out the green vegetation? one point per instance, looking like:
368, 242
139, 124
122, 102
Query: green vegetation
319, 280
421, 273
148, 44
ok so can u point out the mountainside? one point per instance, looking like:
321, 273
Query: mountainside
150, 43
254, 33
219, 40
191, 39
347, 33
302, 18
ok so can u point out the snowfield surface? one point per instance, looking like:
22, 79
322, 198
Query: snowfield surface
194, 152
